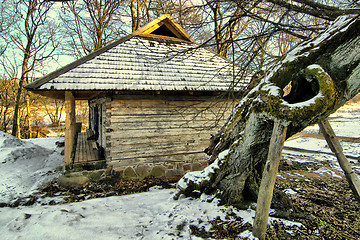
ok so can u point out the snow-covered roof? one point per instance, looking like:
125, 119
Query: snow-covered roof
147, 61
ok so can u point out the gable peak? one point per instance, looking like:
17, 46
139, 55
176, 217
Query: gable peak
165, 26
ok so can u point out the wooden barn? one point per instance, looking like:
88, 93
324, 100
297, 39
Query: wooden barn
155, 97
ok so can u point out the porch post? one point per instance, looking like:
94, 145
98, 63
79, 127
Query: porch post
70, 126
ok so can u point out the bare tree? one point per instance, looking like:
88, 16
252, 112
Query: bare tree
28, 36
226, 29
7, 96
54, 109
139, 11
90, 24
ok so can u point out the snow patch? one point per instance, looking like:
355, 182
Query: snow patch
197, 177
25, 166
272, 89
289, 191
325, 170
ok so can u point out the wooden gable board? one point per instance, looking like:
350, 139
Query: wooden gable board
165, 21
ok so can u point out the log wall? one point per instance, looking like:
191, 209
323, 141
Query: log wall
170, 135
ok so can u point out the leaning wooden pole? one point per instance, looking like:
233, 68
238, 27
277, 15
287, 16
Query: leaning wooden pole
335, 146
268, 180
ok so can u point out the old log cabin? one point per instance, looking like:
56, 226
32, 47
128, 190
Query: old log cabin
154, 96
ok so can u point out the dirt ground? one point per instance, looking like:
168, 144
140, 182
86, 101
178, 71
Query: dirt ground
329, 207
322, 203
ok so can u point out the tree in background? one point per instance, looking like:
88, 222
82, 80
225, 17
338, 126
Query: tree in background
54, 109
256, 33
225, 28
90, 24
140, 13
7, 102
8, 94
184, 12
31, 34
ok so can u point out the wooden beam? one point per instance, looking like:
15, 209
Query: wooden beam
335, 146
70, 126
268, 180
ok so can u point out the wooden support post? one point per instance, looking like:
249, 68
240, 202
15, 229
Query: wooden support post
268, 180
335, 146
70, 126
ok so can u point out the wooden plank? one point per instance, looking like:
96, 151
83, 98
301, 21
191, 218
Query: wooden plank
80, 147
144, 126
159, 106
92, 150
173, 108
76, 159
130, 111
268, 180
89, 151
85, 150
335, 146
200, 137
173, 102
156, 132
166, 117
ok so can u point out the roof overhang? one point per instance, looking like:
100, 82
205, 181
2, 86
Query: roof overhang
171, 95
78, 95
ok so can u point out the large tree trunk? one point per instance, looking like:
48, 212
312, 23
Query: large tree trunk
323, 73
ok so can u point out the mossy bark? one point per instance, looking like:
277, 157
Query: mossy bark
324, 74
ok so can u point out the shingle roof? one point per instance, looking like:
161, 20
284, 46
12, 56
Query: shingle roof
146, 62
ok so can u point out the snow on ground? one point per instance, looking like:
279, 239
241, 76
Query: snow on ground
345, 122
26, 164
150, 215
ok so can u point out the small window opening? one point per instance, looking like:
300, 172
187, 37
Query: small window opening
164, 31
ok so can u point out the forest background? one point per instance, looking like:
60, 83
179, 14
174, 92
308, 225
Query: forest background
38, 36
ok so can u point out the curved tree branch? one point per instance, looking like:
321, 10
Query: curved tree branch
323, 73
315, 9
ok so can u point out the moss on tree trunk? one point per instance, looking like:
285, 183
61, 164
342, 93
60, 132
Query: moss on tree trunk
323, 73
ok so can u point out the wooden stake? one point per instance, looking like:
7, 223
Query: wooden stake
70, 126
335, 146
268, 180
